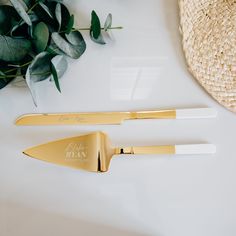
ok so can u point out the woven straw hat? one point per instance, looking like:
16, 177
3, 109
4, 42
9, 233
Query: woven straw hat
209, 42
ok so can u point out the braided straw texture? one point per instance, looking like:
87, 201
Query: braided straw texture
208, 28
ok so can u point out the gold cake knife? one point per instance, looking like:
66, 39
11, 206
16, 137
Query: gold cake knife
112, 117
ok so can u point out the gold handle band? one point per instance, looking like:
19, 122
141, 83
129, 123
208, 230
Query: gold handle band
146, 150
164, 114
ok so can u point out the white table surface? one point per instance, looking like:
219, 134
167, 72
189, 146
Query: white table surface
143, 68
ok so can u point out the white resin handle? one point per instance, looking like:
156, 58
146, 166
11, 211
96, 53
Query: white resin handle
196, 113
195, 149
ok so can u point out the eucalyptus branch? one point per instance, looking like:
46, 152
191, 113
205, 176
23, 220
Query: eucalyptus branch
39, 38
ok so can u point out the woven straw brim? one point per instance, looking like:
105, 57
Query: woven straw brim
209, 42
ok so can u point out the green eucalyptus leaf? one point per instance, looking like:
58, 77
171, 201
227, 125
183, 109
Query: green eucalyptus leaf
54, 49
45, 14
8, 16
63, 16
58, 14
20, 31
16, 27
21, 11
41, 37
13, 49
23, 4
38, 70
95, 29
55, 77
60, 64
108, 22
75, 38
33, 17
70, 49
4, 82
99, 40
4, 20
40, 67
70, 24
4, 79
46, 9
30, 31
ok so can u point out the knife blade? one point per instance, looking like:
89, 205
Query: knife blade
101, 118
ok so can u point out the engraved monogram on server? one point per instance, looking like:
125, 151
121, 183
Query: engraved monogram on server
76, 151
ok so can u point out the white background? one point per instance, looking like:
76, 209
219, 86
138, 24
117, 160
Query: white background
143, 68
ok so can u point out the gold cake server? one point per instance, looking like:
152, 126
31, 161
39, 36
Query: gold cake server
112, 117
92, 152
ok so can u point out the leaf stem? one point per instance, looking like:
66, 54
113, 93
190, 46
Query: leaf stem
8, 76
20, 66
31, 8
13, 76
87, 29
102, 28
